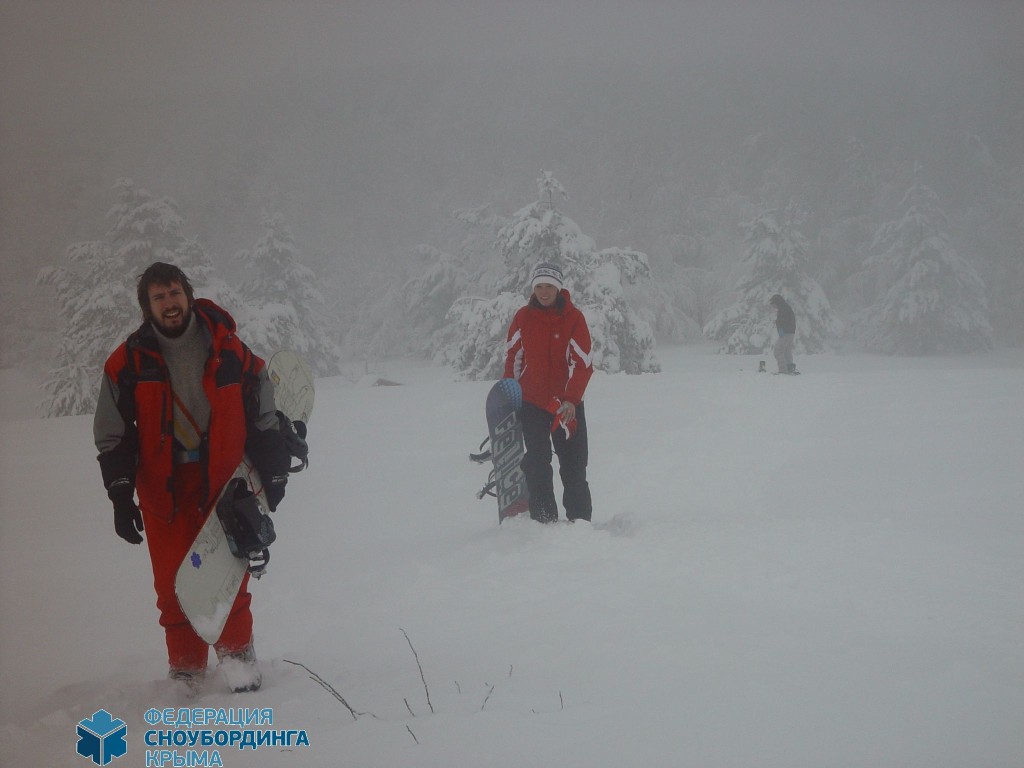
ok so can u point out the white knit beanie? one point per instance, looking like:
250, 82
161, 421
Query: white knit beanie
546, 272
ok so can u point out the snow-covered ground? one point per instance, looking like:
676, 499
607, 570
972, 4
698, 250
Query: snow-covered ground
823, 570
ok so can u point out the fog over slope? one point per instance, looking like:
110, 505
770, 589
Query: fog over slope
366, 124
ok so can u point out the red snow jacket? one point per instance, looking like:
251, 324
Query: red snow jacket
134, 430
548, 351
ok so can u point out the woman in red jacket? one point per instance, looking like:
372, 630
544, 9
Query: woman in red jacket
548, 353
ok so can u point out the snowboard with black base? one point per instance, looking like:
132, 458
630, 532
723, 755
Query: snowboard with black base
506, 482
238, 531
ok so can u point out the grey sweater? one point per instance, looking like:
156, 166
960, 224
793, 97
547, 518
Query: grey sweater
186, 359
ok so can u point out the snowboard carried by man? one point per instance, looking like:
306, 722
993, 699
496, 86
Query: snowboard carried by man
182, 402
235, 539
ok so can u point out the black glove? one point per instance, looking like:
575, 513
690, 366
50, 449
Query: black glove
269, 453
274, 491
127, 518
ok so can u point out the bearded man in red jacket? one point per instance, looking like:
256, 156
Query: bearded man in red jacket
180, 401
548, 353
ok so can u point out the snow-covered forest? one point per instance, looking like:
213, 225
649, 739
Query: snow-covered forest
359, 204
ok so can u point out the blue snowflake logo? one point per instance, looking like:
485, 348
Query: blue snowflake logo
101, 737
196, 560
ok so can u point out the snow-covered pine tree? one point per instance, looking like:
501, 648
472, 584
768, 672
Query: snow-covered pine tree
409, 304
96, 291
97, 305
196, 264
477, 328
474, 235
775, 262
282, 307
148, 229
539, 232
405, 305
931, 299
623, 341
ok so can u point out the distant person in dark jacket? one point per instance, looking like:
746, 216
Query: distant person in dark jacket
785, 322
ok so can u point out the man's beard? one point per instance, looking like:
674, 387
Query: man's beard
175, 331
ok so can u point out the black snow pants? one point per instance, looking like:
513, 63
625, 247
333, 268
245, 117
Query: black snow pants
572, 465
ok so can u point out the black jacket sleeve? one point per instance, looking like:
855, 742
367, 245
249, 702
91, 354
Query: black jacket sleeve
265, 443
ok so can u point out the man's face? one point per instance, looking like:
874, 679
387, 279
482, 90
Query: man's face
168, 305
545, 293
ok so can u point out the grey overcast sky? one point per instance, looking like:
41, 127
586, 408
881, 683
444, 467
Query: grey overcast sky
94, 89
57, 49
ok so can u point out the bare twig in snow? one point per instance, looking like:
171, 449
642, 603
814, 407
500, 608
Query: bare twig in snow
485, 700
327, 687
412, 734
408, 707
417, 657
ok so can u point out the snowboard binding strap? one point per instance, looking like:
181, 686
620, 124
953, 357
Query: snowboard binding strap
294, 433
483, 456
492, 482
247, 527
488, 489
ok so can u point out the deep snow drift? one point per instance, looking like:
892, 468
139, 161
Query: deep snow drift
822, 570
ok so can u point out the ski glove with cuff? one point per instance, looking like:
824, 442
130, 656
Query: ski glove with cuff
269, 453
127, 518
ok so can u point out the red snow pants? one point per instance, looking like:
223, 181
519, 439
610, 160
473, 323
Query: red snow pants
169, 542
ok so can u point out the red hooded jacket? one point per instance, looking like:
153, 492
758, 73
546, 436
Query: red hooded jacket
548, 351
134, 429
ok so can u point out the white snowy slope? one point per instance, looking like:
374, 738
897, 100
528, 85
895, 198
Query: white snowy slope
822, 570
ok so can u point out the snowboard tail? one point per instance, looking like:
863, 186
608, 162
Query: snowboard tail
210, 576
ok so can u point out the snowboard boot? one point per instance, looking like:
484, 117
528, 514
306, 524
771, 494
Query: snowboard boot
791, 369
543, 507
240, 669
545, 514
188, 681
